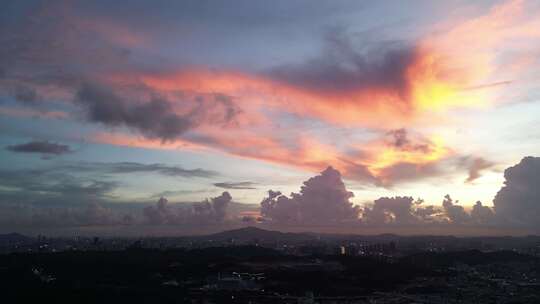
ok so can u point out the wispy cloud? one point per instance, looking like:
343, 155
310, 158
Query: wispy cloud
236, 185
41, 147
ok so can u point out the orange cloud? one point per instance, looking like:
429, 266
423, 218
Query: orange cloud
428, 88
459, 67
375, 161
437, 75
492, 47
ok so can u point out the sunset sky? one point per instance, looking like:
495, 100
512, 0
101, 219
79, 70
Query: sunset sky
121, 103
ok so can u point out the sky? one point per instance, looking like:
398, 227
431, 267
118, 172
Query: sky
107, 107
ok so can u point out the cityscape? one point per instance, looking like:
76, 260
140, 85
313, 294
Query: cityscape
252, 265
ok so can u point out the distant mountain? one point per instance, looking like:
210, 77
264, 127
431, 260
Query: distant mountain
254, 233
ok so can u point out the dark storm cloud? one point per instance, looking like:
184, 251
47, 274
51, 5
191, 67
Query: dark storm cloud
42, 147
155, 118
518, 201
346, 66
322, 199
236, 185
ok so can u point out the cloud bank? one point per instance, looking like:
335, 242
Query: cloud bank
212, 211
323, 201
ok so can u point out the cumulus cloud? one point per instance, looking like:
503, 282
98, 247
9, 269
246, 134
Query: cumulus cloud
41, 147
236, 185
322, 199
481, 214
219, 205
280, 208
401, 210
158, 214
456, 214
428, 214
518, 201
213, 211
406, 211
391, 210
